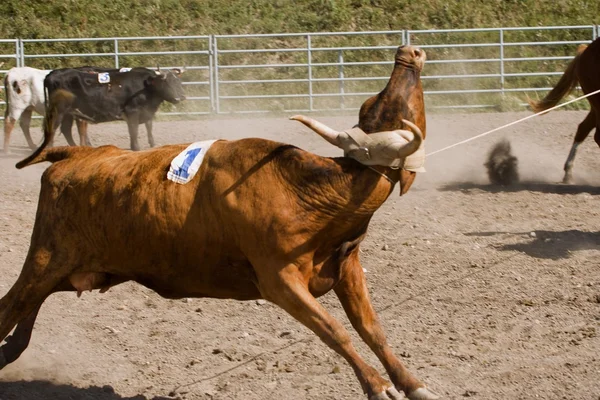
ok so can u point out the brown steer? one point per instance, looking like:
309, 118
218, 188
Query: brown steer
260, 219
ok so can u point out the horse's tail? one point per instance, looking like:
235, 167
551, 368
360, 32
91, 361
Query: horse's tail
565, 85
60, 101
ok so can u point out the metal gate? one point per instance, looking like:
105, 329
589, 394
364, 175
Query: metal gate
329, 71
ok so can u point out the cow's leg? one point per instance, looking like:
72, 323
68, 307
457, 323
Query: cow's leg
9, 125
25, 122
149, 131
66, 126
40, 276
82, 129
583, 130
288, 291
353, 294
19, 340
133, 125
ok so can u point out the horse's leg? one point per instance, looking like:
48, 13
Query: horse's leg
583, 130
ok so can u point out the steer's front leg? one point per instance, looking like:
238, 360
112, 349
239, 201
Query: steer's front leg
289, 291
133, 123
353, 294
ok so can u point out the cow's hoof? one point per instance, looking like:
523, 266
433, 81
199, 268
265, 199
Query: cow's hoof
389, 394
423, 394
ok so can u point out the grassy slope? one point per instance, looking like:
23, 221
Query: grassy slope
93, 18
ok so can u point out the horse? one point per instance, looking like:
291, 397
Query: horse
583, 69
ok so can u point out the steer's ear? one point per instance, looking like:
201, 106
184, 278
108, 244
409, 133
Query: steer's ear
150, 81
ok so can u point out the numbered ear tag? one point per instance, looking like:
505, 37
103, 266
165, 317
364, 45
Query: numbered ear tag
103, 77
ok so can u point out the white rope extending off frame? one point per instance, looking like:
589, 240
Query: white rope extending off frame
512, 123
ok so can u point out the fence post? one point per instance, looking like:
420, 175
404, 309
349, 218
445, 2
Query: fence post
502, 61
17, 53
116, 53
341, 69
216, 75
20, 53
211, 71
310, 83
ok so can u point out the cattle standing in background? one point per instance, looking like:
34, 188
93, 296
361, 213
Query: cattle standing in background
260, 219
133, 96
583, 69
24, 89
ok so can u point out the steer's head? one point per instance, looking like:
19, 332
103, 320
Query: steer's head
402, 98
397, 107
167, 84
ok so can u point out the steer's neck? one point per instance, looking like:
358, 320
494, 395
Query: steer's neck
347, 191
401, 98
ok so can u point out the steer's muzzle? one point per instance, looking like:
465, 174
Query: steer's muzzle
411, 55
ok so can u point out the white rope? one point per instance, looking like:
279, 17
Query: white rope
512, 123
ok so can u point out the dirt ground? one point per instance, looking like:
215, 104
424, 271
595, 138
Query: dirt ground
484, 292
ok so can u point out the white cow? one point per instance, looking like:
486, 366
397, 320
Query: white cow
24, 88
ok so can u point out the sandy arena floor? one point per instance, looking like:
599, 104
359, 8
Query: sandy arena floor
484, 292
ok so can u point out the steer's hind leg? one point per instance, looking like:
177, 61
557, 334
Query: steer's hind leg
66, 127
289, 291
25, 122
19, 340
41, 276
82, 126
353, 294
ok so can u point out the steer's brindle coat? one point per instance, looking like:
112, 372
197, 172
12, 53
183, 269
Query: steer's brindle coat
260, 220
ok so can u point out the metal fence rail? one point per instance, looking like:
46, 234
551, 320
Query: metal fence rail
466, 68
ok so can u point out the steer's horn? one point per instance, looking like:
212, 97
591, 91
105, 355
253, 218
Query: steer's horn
179, 71
413, 145
323, 130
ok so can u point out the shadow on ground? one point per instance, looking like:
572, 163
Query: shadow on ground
540, 187
549, 244
44, 390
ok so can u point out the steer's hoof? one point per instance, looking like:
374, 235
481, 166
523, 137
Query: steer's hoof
389, 394
423, 394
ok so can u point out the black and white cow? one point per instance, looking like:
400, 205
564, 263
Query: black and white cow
24, 90
96, 97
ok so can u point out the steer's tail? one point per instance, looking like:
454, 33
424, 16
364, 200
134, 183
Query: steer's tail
59, 104
565, 85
